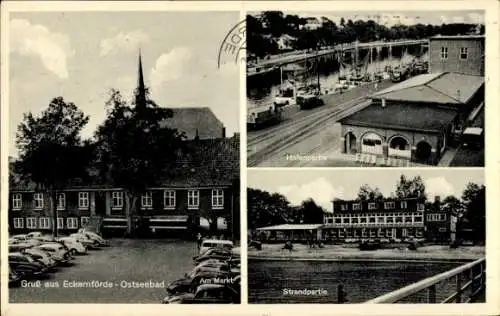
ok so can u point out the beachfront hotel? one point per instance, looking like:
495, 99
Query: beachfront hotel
387, 218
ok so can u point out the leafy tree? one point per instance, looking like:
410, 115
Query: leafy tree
135, 145
410, 188
453, 205
474, 199
367, 193
266, 209
312, 213
52, 152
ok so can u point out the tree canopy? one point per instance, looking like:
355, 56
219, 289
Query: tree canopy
264, 30
52, 152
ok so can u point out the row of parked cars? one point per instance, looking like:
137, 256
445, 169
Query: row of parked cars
34, 255
215, 278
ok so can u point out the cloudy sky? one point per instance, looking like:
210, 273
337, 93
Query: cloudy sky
323, 186
81, 55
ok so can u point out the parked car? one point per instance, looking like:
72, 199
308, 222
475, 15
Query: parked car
41, 256
189, 283
98, 240
26, 266
19, 247
57, 252
84, 240
14, 277
74, 246
213, 254
217, 244
35, 234
206, 294
20, 237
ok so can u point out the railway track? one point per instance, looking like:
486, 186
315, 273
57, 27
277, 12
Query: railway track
305, 128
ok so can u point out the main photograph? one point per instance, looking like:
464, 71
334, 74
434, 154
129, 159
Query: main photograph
366, 236
365, 88
124, 158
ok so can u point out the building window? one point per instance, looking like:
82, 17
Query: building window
344, 207
356, 207
407, 219
60, 223
444, 52
443, 217
31, 222
72, 222
329, 221
117, 199
442, 230
418, 219
380, 219
420, 207
193, 199
399, 219
61, 201
18, 223
463, 53
355, 220
84, 221
169, 199
346, 220
371, 220
17, 201
362, 220
389, 205
404, 205
83, 200
338, 220
38, 201
372, 206
217, 198
147, 200
390, 219
44, 223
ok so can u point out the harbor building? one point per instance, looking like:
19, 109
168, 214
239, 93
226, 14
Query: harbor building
200, 191
440, 223
461, 54
387, 218
417, 119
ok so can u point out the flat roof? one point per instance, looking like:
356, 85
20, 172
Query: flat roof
473, 131
416, 117
441, 88
292, 227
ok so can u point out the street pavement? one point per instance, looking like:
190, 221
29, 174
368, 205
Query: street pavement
149, 262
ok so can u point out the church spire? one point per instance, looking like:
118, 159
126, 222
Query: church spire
140, 97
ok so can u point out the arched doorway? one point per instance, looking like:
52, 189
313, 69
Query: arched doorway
399, 147
350, 143
371, 143
423, 152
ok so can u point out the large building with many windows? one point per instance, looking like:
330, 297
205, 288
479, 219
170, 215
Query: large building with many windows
203, 193
388, 218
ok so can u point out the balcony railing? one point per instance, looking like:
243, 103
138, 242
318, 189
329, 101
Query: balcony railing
469, 282
374, 225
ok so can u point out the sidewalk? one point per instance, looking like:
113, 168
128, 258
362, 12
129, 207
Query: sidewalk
448, 157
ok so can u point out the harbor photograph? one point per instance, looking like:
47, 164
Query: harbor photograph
366, 236
361, 89
124, 159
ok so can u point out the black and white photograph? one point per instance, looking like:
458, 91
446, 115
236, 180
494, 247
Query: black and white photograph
124, 158
375, 236
365, 88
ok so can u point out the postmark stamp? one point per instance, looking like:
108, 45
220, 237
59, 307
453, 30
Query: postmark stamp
232, 45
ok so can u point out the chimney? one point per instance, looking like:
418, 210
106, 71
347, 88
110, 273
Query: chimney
437, 199
197, 136
223, 132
